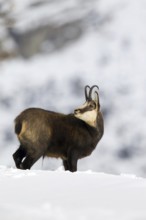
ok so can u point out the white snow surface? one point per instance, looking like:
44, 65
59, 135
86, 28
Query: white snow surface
62, 195
111, 56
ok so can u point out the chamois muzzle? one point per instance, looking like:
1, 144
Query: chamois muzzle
77, 111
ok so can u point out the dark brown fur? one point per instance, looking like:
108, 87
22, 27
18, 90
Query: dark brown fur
45, 133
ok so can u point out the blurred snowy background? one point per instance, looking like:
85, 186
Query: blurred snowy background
50, 49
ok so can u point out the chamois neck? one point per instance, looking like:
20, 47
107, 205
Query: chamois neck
100, 124
92, 123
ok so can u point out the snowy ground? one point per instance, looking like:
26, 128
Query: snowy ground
60, 195
111, 55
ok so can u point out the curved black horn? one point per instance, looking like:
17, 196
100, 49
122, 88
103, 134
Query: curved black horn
86, 94
91, 89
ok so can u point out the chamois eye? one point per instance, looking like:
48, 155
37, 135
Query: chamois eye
92, 105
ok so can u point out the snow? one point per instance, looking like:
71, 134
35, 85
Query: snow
111, 53
61, 195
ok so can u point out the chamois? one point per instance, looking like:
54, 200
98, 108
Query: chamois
69, 137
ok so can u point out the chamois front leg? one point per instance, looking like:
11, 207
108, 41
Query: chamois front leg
65, 164
72, 160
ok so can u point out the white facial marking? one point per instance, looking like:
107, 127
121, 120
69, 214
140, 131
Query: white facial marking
89, 116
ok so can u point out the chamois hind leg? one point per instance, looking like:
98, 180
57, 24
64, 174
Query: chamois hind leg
19, 155
29, 161
72, 160
34, 151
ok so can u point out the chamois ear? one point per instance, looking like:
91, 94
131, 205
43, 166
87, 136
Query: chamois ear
96, 99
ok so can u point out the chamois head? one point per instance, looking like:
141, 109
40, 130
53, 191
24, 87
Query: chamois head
89, 110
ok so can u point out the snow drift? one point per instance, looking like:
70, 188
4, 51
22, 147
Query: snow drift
61, 195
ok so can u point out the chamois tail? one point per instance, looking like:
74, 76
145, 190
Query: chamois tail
18, 127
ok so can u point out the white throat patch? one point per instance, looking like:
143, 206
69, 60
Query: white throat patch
89, 117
